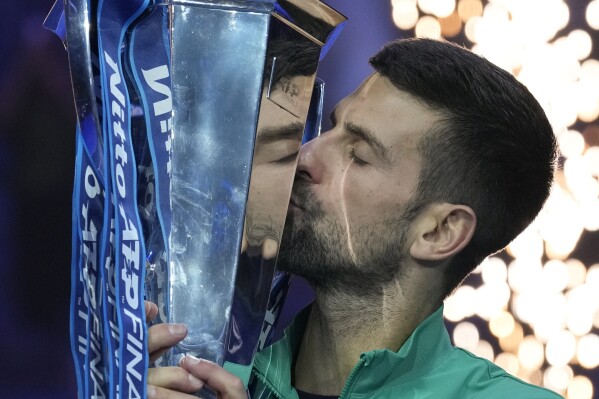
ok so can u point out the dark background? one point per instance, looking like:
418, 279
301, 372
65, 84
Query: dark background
37, 130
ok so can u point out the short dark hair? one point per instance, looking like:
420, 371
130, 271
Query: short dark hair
493, 151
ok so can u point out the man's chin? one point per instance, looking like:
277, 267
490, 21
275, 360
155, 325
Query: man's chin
292, 251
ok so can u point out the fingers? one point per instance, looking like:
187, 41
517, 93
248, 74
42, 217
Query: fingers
244, 243
174, 378
226, 384
164, 393
269, 248
163, 336
190, 377
151, 310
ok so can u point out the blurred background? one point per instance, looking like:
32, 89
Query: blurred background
533, 309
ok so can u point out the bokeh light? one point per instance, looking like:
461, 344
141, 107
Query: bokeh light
571, 144
592, 14
587, 352
560, 349
511, 343
530, 353
502, 325
469, 8
539, 301
428, 27
485, 350
461, 304
580, 388
442, 8
451, 25
405, 14
581, 43
466, 334
558, 378
508, 362
576, 272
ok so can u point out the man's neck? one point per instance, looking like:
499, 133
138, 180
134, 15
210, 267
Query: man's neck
342, 326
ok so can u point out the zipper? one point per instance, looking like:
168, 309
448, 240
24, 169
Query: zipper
265, 381
353, 377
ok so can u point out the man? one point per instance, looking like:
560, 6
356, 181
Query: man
436, 161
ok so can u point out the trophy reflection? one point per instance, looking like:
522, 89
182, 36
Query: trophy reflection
242, 80
278, 138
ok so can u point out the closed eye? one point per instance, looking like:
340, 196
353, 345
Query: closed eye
355, 159
286, 159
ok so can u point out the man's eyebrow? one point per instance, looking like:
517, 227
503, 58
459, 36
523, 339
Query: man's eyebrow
285, 132
369, 138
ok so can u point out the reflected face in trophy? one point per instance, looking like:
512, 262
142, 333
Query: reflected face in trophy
347, 226
278, 140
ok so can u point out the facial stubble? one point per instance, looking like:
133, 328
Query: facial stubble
334, 257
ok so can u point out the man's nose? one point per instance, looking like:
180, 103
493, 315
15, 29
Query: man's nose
310, 165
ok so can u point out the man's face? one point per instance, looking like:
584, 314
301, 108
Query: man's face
346, 226
277, 143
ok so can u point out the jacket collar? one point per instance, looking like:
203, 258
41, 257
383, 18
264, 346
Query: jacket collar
425, 349
273, 364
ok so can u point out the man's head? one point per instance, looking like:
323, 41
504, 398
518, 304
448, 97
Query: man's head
348, 217
493, 151
454, 159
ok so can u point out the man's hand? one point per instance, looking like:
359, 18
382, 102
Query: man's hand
191, 375
268, 246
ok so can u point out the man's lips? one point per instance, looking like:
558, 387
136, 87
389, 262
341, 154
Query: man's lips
293, 202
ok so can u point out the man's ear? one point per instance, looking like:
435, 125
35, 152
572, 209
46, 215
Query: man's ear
442, 231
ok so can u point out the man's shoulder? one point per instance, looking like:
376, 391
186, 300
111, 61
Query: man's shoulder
487, 380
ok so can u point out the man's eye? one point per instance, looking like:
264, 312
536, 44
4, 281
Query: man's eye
355, 159
286, 159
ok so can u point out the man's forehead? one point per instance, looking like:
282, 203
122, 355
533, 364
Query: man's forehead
363, 86
390, 113
374, 87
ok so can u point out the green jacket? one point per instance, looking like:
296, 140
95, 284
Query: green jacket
426, 366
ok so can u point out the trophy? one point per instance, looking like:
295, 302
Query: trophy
190, 118
242, 79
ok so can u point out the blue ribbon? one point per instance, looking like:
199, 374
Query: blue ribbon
114, 19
